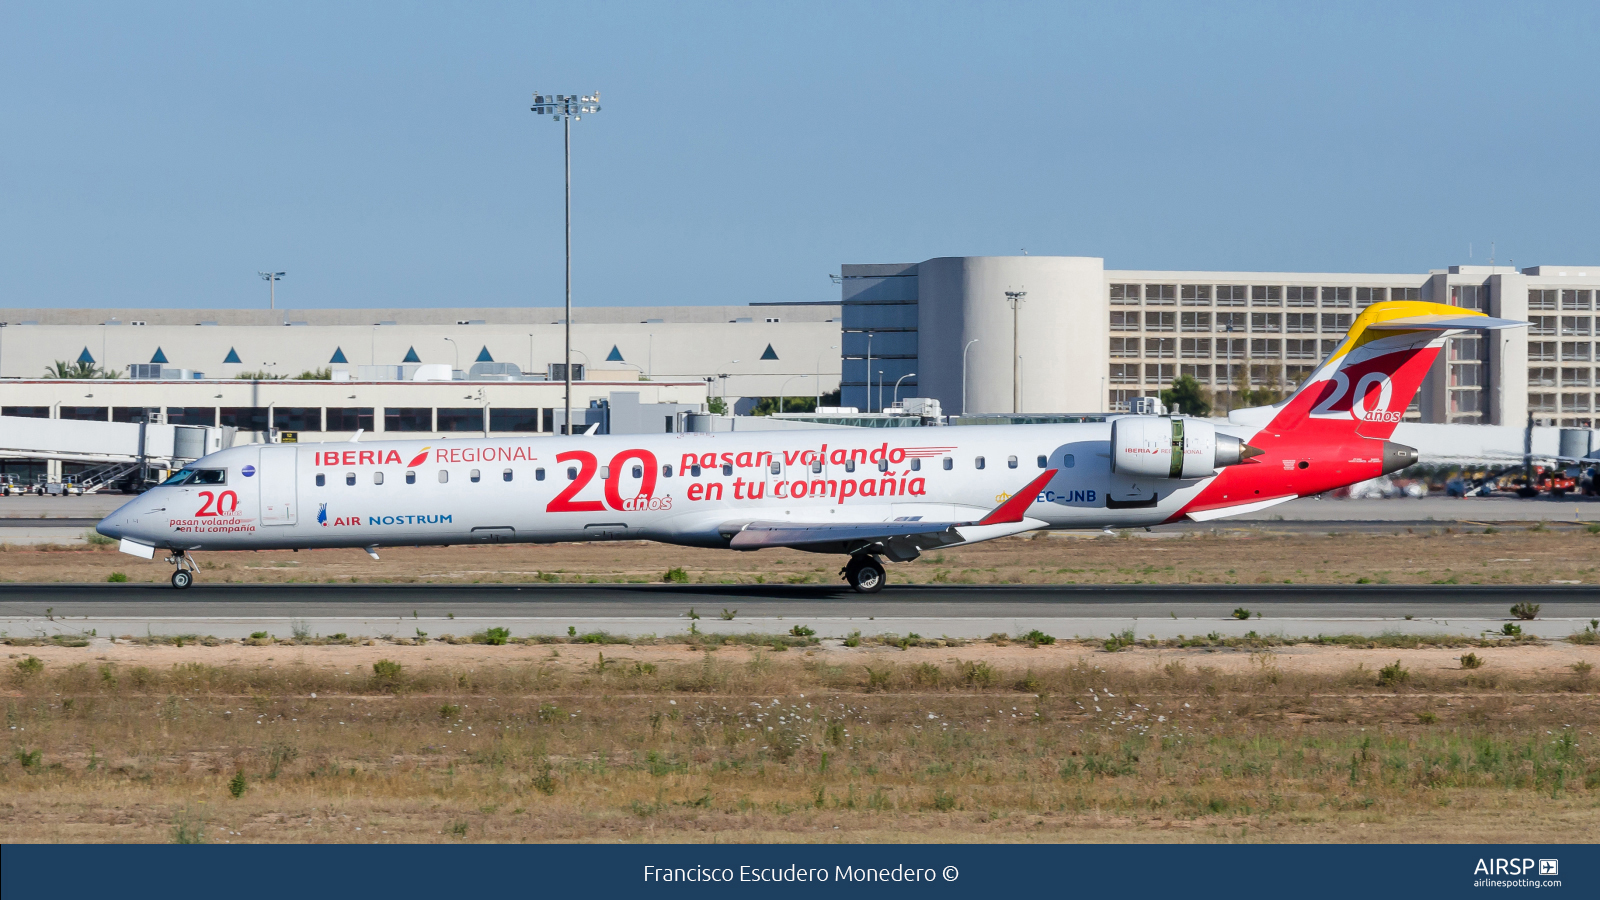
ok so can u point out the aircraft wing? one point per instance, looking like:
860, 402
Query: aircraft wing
901, 538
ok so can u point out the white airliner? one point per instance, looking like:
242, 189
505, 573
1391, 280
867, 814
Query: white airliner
861, 493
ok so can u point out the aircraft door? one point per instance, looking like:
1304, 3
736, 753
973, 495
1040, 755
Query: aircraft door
276, 486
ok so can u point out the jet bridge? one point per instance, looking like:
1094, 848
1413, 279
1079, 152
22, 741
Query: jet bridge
109, 445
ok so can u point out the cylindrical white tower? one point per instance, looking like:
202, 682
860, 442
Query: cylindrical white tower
1060, 332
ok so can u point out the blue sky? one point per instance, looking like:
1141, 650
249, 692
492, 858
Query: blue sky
382, 154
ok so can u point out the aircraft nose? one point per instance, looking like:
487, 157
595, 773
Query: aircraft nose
112, 526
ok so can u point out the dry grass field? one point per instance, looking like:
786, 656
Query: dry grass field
663, 742
1448, 555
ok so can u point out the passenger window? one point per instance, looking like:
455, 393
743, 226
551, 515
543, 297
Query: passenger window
949, 464
695, 471
506, 475
978, 463
666, 471
1011, 462
775, 468
444, 476
321, 479
411, 476
350, 478
916, 465
572, 473
1069, 461
883, 465
538, 474
474, 475
638, 471
849, 465
1043, 461
377, 478
816, 467
727, 470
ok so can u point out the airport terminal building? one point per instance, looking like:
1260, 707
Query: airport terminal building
1025, 334
1038, 334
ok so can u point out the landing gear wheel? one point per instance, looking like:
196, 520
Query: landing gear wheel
865, 574
181, 579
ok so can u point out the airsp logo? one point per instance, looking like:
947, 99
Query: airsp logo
1501, 866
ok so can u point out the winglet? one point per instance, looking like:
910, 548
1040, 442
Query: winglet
1012, 510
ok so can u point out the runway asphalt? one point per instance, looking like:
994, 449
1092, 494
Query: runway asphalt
954, 610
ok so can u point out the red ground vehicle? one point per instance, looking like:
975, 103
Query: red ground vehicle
1555, 482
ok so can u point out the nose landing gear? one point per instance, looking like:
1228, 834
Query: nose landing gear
865, 574
186, 570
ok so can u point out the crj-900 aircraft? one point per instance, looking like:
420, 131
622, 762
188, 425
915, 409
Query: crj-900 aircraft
849, 492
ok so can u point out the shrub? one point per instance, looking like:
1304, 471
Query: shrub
117, 578
496, 636
802, 631
977, 674
1241, 613
878, 679
1511, 629
853, 639
1582, 668
1590, 635
29, 760
728, 614
258, 635
1525, 610
1393, 675
386, 670
449, 711
237, 785
29, 666
96, 539
1471, 661
1037, 637
676, 575
1427, 717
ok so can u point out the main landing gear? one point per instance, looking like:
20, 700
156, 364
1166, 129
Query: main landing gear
186, 570
865, 574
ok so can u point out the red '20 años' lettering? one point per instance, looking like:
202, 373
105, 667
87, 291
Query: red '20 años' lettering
587, 466
226, 504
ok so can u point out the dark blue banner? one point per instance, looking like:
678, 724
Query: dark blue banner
670, 870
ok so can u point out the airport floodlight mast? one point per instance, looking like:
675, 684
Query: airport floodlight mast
566, 109
272, 287
1015, 298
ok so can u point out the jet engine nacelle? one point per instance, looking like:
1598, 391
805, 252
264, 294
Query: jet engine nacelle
1172, 447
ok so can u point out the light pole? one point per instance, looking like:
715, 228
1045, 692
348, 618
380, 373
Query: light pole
1015, 298
458, 356
895, 399
880, 390
964, 374
819, 376
566, 108
272, 279
869, 372
784, 385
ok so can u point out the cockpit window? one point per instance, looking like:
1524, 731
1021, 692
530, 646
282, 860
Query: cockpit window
197, 476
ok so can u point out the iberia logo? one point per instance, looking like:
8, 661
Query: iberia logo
421, 458
322, 515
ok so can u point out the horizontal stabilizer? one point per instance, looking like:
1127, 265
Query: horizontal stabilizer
1445, 323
